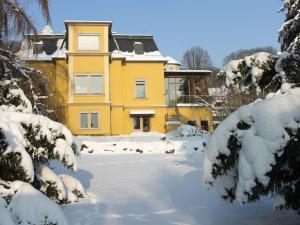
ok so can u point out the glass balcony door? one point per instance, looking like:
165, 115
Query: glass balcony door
141, 123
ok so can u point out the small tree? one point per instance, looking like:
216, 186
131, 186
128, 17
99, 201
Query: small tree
242, 53
196, 58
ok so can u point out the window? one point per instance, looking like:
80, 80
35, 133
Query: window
204, 125
136, 123
38, 48
141, 123
81, 84
94, 120
95, 84
140, 89
88, 84
146, 124
175, 88
88, 41
84, 120
200, 85
89, 120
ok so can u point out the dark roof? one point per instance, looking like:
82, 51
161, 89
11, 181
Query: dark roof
125, 43
49, 42
49, 46
170, 73
112, 43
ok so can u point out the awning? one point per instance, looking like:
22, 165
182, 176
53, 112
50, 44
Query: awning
142, 112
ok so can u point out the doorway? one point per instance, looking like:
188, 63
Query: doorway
141, 123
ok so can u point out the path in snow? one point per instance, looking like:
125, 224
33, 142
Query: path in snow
142, 189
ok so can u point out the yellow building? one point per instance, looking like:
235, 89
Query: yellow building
110, 84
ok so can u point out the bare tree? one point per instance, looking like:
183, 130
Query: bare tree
242, 53
15, 20
196, 58
224, 100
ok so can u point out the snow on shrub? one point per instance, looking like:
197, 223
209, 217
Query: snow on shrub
13, 98
186, 131
29, 206
73, 187
28, 142
51, 184
253, 71
255, 151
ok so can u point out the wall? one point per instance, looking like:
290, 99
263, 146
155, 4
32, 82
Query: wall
88, 62
122, 94
195, 113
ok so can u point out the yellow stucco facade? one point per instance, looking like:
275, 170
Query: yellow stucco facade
117, 105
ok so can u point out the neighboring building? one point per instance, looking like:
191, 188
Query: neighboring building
109, 84
172, 64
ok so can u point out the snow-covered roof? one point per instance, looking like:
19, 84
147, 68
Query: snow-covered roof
50, 48
87, 21
190, 105
132, 56
43, 47
172, 61
188, 71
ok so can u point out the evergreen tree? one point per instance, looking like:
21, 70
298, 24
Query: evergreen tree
29, 141
255, 152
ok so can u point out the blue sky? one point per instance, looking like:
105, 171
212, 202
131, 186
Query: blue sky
220, 26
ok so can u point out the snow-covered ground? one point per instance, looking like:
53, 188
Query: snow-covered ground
157, 188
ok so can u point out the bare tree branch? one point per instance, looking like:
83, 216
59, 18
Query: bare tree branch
196, 58
15, 19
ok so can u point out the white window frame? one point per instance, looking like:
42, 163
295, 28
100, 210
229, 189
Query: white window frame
88, 84
89, 120
135, 89
88, 34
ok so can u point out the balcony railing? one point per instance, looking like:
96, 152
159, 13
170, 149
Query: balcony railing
201, 100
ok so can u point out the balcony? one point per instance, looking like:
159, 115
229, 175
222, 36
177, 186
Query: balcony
197, 100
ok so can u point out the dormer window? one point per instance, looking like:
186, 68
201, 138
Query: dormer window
37, 48
88, 41
138, 48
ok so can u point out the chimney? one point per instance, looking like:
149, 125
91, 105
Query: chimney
138, 48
